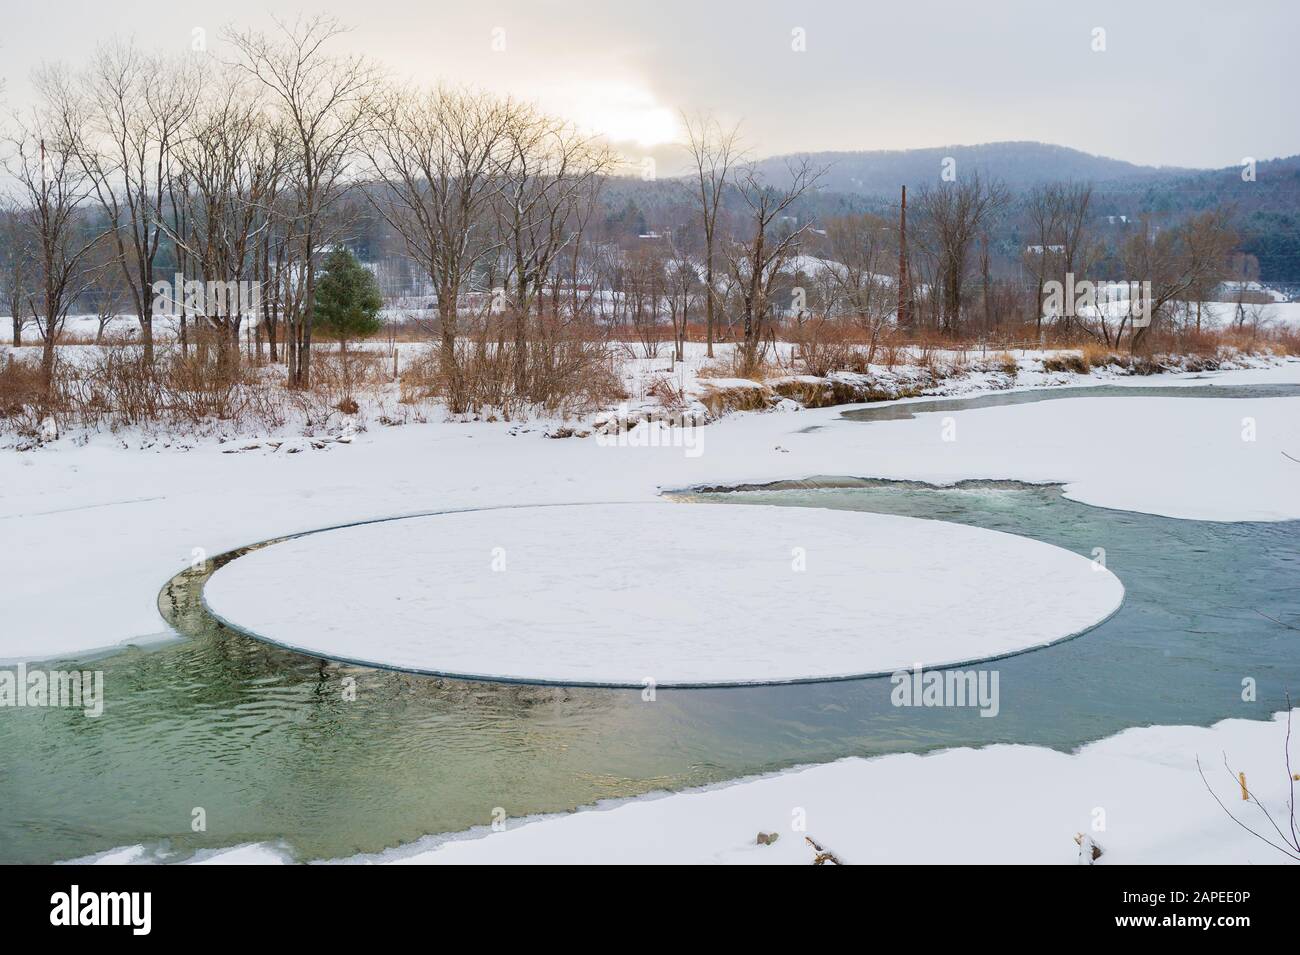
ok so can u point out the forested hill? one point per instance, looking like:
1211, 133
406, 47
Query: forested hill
1021, 165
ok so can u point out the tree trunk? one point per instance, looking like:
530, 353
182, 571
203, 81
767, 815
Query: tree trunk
708, 304
146, 334
303, 379
47, 364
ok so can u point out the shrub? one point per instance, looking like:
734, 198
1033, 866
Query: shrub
733, 363
721, 399
563, 375
1067, 361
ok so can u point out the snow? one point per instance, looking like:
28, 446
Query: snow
92, 530
1207, 459
671, 593
1002, 804
1138, 795
93, 525
250, 853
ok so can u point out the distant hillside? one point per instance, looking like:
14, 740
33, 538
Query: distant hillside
1021, 165
1266, 210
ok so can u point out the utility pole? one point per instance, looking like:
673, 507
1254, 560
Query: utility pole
903, 297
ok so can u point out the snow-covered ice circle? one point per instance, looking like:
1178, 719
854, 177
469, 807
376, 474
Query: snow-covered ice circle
674, 594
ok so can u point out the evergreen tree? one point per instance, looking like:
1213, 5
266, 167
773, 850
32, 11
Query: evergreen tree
347, 298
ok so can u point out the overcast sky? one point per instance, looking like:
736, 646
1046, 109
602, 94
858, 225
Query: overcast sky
1178, 83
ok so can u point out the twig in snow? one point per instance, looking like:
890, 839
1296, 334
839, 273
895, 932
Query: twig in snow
823, 855
1288, 846
1089, 850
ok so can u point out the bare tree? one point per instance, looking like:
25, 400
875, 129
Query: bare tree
54, 187
1243, 270
645, 287
683, 291
437, 156
859, 280
1174, 261
15, 268
231, 157
714, 150
953, 216
280, 296
1078, 250
110, 292
1044, 209
326, 102
124, 117
757, 257
552, 171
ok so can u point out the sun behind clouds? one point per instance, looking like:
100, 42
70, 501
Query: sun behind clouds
621, 111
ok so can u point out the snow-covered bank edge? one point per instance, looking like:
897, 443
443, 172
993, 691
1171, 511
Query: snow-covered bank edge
1138, 794
697, 399
685, 392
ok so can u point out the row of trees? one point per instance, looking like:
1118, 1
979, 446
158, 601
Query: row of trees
967, 286
140, 167
982, 263
248, 171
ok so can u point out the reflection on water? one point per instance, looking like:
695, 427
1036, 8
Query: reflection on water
267, 743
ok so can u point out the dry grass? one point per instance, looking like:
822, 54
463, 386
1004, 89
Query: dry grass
1067, 361
486, 375
667, 391
723, 399
562, 369
733, 364
182, 392
1006, 363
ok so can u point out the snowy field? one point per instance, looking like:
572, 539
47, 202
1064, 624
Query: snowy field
85, 327
674, 594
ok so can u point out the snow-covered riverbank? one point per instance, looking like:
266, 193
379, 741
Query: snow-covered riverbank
997, 805
1138, 795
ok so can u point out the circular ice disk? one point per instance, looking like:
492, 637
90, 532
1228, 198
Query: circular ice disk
676, 594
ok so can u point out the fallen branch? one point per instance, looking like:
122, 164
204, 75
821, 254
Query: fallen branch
823, 855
